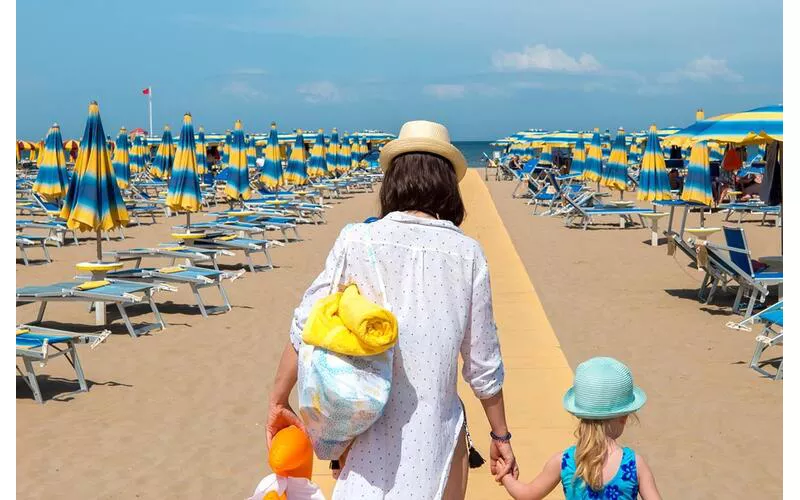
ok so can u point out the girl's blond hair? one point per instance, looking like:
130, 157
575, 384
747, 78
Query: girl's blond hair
591, 450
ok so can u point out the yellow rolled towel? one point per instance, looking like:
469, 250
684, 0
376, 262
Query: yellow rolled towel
348, 323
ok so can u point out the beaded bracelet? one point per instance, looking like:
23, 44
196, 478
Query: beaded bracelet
502, 439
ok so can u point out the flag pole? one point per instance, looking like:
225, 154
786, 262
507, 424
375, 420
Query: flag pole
150, 108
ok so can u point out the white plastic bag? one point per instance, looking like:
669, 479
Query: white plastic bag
294, 488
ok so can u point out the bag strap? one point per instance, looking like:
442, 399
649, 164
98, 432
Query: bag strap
374, 261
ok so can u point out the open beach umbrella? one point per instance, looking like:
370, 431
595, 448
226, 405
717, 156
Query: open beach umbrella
237, 187
615, 175
653, 177
546, 157
317, 164
272, 171
52, 179
578, 156
697, 186
756, 126
200, 151
165, 156
251, 151
183, 193
593, 168
121, 160
94, 201
343, 165
296, 168
332, 152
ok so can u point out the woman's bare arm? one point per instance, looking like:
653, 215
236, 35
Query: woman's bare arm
540, 487
280, 412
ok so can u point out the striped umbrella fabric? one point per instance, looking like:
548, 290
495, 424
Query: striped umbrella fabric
251, 151
593, 168
94, 201
52, 179
317, 164
237, 186
226, 148
363, 147
200, 151
183, 193
653, 177
139, 158
121, 160
355, 157
684, 137
615, 175
546, 158
756, 126
165, 156
578, 156
343, 165
697, 186
272, 171
296, 168
332, 153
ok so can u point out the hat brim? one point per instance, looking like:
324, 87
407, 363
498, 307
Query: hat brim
639, 399
446, 150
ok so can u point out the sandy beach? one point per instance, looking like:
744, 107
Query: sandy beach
179, 413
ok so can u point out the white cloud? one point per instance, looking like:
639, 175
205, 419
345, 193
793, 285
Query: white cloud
242, 90
527, 85
321, 91
445, 90
542, 57
703, 70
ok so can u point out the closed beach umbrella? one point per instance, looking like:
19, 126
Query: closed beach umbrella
578, 156
94, 201
653, 177
200, 151
138, 158
697, 186
237, 186
226, 148
121, 160
756, 126
165, 156
317, 164
363, 147
251, 151
183, 193
615, 175
355, 157
546, 158
52, 179
296, 168
343, 165
593, 168
332, 152
272, 171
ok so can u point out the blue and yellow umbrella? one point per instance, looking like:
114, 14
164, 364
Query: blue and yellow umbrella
138, 158
94, 201
121, 160
52, 179
653, 177
183, 193
355, 157
296, 168
546, 157
593, 168
272, 171
363, 147
317, 164
251, 151
343, 165
226, 148
757, 126
332, 152
697, 186
237, 186
615, 175
165, 156
578, 156
200, 148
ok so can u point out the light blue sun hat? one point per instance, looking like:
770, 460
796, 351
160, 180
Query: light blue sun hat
603, 388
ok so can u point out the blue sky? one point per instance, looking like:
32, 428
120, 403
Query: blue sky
483, 68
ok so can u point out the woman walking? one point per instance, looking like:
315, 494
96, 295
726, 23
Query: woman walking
437, 285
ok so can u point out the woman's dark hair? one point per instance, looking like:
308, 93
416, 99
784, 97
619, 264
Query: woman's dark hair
423, 182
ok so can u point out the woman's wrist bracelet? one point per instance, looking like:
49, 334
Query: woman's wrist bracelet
502, 439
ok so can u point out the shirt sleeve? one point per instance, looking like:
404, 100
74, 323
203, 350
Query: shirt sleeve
480, 349
319, 288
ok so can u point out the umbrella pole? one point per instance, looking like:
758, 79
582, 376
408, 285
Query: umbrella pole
188, 221
99, 241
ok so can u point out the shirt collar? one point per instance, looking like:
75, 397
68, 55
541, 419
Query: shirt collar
407, 218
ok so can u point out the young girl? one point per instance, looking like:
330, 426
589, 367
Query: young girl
602, 397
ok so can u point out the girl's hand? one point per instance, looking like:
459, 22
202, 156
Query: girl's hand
281, 416
501, 453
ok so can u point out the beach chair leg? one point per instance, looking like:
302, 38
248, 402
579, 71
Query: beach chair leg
75, 238
46, 253
72, 356
24, 255
751, 303
40, 315
30, 378
269, 258
225, 301
199, 300
703, 285
738, 300
126, 320
155, 310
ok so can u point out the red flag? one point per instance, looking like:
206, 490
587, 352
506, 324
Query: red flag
146, 91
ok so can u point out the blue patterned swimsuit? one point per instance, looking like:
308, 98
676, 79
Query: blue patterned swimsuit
623, 486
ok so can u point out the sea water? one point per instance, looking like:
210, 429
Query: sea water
473, 152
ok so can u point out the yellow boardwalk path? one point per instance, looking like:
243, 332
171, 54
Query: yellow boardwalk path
537, 373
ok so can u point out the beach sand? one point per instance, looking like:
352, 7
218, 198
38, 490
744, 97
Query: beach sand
180, 412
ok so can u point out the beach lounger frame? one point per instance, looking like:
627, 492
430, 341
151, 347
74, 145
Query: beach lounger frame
716, 274
56, 230
191, 256
587, 214
246, 245
24, 242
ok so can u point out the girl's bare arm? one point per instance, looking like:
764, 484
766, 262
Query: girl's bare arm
540, 487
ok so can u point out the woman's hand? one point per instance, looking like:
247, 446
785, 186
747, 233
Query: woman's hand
281, 416
502, 460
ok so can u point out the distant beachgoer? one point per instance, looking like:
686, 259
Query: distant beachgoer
514, 163
439, 291
675, 180
602, 397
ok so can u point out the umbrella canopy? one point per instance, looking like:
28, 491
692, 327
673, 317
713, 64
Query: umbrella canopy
615, 175
686, 136
139, 156
343, 165
272, 171
52, 179
122, 160
653, 177
578, 156
332, 152
183, 193
251, 151
317, 164
237, 186
200, 151
546, 158
757, 126
593, 168
165, 156
697, 186
94, 201
296, 168
363, 147
226, 148
355, 157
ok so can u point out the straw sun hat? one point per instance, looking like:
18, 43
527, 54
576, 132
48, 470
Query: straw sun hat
603, 388
421, 136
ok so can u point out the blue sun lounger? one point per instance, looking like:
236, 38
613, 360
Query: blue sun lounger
232, 242
717, 273
173, 251
123, 294
56, 230
743, 209
587, 214
771, 318
24, 242
37, 344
